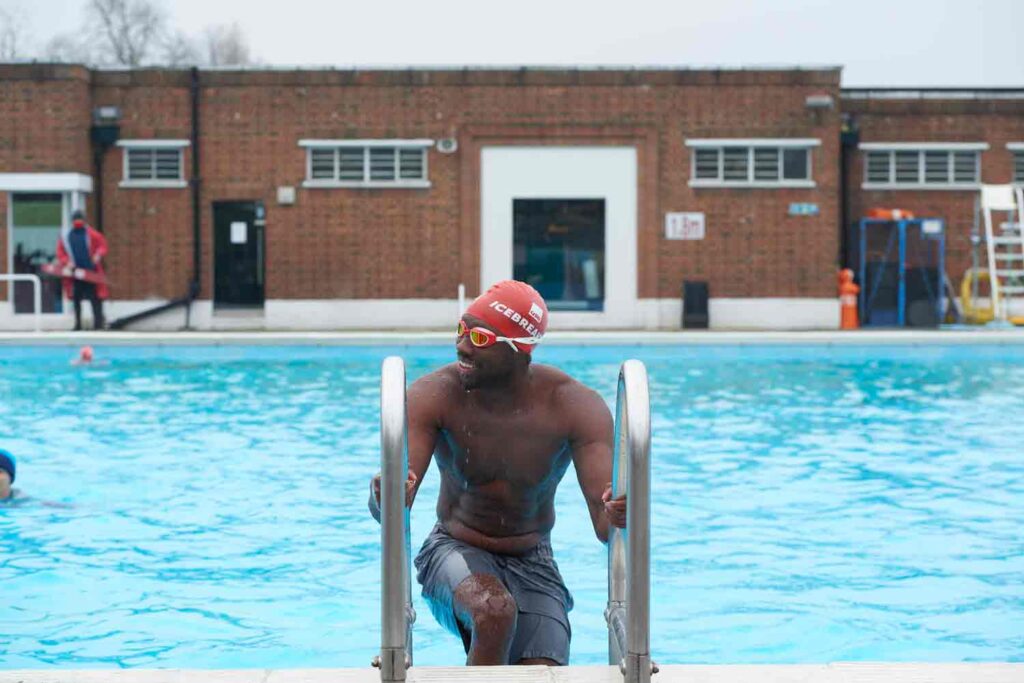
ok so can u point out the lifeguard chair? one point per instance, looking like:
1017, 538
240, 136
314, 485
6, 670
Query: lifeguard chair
1004, 242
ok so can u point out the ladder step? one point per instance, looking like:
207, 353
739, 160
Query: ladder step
1008, 240
1009, 257
1015, 289
1009, 272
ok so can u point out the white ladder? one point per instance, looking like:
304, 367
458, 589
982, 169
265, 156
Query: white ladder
1005, 248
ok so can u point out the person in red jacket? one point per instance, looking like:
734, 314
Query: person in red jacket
84, 247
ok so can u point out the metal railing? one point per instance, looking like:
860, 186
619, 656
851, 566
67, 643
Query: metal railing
396, 612
37, 292
629, 550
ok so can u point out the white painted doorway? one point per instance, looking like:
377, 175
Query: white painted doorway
560, 196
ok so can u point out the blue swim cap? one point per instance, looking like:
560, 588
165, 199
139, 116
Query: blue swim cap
7, 463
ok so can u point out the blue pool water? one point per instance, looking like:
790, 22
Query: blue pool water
205, 507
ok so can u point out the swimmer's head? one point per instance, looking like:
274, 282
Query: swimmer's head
498, 333
85, 355
7, 472
513, 310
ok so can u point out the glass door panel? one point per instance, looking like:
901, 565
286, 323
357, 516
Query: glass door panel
36, 220
559, 249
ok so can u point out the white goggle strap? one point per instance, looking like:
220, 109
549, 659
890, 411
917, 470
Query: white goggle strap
521, 340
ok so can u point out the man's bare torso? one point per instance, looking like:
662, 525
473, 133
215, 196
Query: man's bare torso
501, 463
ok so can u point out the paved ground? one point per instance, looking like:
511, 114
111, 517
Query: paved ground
804, 673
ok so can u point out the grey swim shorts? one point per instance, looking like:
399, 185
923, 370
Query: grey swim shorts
543, 601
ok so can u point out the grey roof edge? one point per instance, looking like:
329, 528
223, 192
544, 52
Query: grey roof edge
442, 67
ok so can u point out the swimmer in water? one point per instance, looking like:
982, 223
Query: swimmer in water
503, 432
8, 468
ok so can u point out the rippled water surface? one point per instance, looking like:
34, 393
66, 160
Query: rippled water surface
206, 507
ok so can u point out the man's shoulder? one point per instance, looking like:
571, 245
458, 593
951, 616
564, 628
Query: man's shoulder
438, 384
560, 383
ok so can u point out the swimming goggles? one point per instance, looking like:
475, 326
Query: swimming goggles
482, 338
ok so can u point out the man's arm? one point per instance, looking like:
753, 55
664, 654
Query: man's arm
590, 438
100, 250
62, 254
424, 402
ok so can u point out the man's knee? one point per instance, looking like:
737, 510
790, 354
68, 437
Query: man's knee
487, 605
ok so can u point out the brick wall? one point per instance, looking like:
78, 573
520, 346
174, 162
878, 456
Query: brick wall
44, 127
994, 121
149, 230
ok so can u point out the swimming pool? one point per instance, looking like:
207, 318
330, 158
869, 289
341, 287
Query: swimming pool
204, 507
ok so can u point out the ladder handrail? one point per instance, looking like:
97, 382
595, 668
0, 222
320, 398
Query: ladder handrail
37, 296
397, 615
629, 550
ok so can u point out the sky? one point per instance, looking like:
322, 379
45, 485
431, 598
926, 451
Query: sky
886, 43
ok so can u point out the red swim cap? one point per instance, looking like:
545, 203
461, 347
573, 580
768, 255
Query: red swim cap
512, 309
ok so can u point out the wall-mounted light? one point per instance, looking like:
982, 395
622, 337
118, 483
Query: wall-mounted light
819, 102
107, 115
106, 125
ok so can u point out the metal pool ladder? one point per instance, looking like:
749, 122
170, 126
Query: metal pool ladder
396, 611
629, 550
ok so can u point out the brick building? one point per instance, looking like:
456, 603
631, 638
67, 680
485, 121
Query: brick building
927, 151
363, 199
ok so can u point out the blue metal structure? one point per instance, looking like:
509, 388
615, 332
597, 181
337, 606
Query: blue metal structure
901, 264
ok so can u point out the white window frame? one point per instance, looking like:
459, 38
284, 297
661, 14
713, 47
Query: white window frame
780, 144
128, 145
921, 148
366, 145
1017, 152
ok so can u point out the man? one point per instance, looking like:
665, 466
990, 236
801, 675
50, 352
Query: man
504, 431
84, 247
7, 471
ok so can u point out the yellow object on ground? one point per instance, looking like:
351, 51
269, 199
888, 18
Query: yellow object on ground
975, 315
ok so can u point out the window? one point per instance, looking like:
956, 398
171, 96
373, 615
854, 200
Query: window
1017, 149
366, 163
153, 163
922, 165
752, 163
36, 220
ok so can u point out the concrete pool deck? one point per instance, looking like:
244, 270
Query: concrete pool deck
971, 336
853, 672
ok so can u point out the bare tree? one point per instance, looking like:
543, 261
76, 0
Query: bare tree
226, 46
69, 47
134, 33
12, 34
127, 32
180, 50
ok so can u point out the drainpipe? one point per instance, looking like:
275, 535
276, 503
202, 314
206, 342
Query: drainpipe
104, 133
97, 170
849, 137
195, 182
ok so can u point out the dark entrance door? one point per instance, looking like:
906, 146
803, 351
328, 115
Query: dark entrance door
238, 253
558, 247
